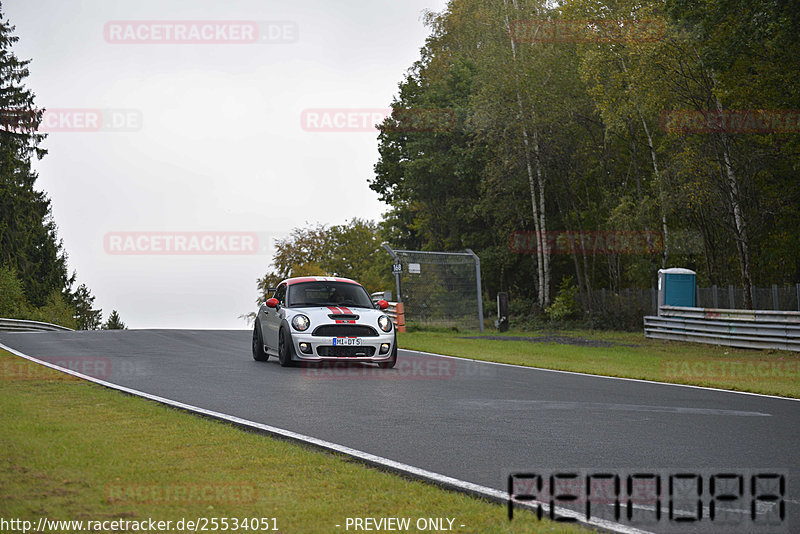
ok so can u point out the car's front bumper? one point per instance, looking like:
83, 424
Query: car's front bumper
323, 348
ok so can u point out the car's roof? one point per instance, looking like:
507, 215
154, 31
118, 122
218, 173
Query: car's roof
299, 279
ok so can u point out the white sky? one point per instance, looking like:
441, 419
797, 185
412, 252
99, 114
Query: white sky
220, 147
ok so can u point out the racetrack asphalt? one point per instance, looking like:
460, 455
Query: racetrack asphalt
469, 420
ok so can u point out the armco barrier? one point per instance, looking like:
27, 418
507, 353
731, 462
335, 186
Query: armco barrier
23, 325
753, 329
396, 311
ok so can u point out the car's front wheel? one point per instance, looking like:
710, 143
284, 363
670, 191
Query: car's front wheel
284, 348
258, 345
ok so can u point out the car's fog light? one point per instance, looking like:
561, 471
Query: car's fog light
305, 348
384, 348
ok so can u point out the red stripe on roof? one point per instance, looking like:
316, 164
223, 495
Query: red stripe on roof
345, 310
298, 280
334, 309
291, 281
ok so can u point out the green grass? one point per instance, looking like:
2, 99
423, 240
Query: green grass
72, 450
769, 372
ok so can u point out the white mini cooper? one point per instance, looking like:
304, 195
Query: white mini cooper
317, 319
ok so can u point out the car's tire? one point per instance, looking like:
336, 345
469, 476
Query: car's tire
393, 361
285, 349
258, 345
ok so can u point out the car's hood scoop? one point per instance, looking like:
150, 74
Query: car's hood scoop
343, 316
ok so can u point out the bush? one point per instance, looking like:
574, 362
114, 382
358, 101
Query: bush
565, 305
58, 311
14, 305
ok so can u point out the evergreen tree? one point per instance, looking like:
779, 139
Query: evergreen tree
87, 317
28, 240
114, 322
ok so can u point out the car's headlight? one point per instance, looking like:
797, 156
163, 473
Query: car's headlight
300, 322
385, 323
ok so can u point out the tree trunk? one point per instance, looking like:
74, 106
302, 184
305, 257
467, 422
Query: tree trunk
542, 218
656, 173
739, 221
535, 183
664, 228
731, 181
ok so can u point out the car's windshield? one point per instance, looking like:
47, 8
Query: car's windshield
328, 294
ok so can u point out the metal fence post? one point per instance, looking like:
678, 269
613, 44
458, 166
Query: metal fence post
654, 300
753, 296
480, 291
731, 297
396, 275
775, 297
714, 295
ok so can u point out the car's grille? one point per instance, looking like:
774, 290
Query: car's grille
346, 351
345, 330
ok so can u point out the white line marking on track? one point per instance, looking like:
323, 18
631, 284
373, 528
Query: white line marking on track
601, 376
416, 472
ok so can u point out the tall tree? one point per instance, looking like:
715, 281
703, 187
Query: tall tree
28, 240
352, 250
561, 133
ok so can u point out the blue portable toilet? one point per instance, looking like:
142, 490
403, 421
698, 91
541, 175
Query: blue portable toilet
676, 287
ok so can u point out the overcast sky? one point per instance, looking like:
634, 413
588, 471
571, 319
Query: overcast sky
154, 143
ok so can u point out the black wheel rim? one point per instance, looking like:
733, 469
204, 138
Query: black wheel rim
281, 347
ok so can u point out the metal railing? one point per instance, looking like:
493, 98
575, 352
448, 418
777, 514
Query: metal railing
23, 325
753, 329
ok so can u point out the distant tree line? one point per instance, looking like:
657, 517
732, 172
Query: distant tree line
350, 250
34, 279
676, 120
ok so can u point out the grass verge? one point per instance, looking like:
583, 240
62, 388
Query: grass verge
72, 450
626, 354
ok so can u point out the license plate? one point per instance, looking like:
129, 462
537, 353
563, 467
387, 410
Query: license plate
347, 341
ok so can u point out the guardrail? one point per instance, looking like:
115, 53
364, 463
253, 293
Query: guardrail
23, 325
396, 311
753, 329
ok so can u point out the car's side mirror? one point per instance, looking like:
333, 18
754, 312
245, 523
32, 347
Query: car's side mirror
272, 303
382, 304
